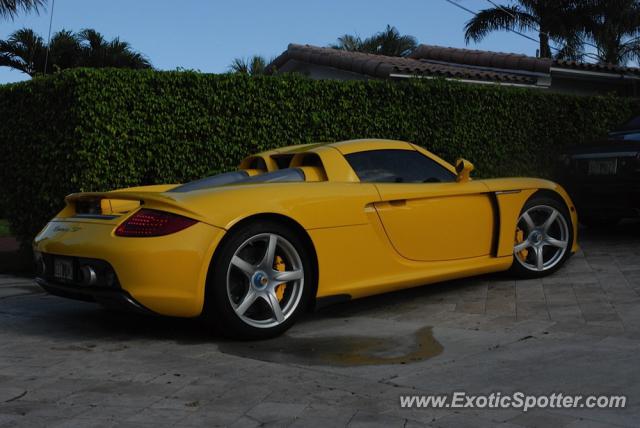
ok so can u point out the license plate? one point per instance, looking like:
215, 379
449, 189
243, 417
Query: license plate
63, 269
603, 166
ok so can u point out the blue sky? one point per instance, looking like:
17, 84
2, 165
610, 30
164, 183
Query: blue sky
206, 35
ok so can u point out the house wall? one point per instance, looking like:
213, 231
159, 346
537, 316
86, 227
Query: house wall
581, 86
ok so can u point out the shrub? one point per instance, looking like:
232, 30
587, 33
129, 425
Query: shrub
94, 130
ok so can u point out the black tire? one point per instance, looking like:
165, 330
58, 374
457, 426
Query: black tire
599, 222
518, 268
219, 311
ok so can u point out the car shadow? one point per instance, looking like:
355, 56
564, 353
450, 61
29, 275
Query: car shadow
432, 293
68, 321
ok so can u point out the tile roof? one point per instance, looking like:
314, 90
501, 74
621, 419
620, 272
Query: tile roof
506, 61
512, 61
381, 66
600, 67
438, 61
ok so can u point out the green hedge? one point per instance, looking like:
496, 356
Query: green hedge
85, 130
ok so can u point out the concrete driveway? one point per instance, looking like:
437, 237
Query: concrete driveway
65, 363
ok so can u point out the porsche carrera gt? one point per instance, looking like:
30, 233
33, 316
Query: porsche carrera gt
300, 226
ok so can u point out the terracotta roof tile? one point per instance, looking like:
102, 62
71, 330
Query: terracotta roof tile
601, 67
428, 60
508, 61
382, 66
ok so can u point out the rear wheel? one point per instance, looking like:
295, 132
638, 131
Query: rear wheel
260, 282
543, 240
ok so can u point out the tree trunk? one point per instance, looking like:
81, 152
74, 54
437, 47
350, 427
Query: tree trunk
545, 49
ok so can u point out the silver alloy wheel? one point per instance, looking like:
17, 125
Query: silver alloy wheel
252, 280
546, 238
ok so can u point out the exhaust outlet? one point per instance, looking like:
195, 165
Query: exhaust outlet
89, 276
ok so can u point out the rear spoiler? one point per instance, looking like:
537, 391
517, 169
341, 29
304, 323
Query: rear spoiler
116, 203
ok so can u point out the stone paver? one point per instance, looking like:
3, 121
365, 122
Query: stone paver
68, 364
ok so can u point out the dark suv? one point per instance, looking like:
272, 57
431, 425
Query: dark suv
603, 178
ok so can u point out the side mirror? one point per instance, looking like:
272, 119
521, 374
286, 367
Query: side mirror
463, 168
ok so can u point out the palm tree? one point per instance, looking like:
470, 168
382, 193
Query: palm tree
253, 66
388, 42
348, 42
64, 51
98, 52
25, 50
554, 20
614, 28
10, 8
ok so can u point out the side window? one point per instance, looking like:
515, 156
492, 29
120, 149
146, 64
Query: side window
397, 166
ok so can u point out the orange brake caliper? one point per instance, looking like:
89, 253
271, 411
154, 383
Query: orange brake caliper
280, 266
520, 238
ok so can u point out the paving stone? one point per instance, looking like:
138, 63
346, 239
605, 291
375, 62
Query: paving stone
323, 417
471, 307
208, 418
541, 419
365, 420
269, 412
461, 420
526, 309
66, 363
586, 423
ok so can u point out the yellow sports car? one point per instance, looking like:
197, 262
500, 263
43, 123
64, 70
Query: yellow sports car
303, 225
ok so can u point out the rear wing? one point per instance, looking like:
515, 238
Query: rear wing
114, 204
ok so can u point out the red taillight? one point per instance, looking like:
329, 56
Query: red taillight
147, 223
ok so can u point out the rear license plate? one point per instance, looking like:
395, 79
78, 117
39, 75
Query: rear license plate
63, 269
603, 166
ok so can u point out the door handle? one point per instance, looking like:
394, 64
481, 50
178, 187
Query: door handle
398, 202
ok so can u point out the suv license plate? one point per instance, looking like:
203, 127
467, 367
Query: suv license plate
603, 167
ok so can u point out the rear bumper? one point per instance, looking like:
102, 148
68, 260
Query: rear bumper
165, 274
113, 299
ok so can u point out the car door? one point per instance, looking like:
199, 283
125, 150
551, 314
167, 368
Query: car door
426, 214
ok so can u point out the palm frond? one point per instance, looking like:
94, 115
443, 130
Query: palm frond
26, 48
11, 8
253, 66
92, 38
496, 19
119, 54
387, 42
240, 65
9, 61
390, 42
258, 65
64, 51
348, 42
571, 48
614, 27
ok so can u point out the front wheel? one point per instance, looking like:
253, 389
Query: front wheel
543, 240
260, 282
